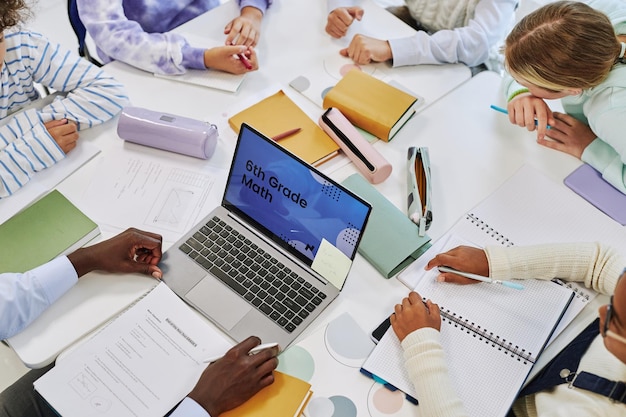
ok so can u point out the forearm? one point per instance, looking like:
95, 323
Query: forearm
608, 162
426, 364
597, 266
470, 44
123, 39
605, 115
262, 5
29, 149
23, 297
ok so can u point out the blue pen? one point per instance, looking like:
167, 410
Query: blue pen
505, 111
509, 284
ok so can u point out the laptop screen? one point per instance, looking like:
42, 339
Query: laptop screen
296, 206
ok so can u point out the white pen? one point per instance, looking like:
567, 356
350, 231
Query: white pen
481, 278
253, 351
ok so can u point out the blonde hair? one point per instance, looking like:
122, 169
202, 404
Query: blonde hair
562, 45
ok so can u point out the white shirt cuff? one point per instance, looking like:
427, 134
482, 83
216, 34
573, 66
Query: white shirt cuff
189, 408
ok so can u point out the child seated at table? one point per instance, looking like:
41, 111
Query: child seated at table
137, 32
574, 52
600, 350
34, 139
450, 31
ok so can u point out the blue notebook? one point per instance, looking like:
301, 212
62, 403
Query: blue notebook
589, 184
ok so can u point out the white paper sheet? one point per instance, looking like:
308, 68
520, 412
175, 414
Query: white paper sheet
44, 181
153, 190
141, 364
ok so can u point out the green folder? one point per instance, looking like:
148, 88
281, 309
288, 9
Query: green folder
391, 241
50, 227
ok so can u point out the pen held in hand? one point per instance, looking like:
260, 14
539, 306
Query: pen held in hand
509, 284
505, 111
252, 351
245, 61
286, 134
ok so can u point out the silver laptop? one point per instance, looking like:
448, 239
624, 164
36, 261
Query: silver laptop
276, 252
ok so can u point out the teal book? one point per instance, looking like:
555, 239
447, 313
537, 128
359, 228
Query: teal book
50, 227
391, 241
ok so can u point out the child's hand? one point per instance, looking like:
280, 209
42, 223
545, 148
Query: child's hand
413, 314
569, 135
363, 50
525, 108
225, 58
461, 258
245, 29
340, 19
64, 133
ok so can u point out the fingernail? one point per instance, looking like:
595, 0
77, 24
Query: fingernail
157, 275
441, 278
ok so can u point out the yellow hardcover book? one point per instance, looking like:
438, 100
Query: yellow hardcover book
286, 397
278, 114
371, 104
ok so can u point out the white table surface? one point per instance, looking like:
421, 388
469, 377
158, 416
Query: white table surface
292, 38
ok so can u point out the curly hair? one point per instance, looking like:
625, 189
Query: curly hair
562, 45
12, 12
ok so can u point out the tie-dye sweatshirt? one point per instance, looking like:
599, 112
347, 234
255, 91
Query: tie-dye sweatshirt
137, 32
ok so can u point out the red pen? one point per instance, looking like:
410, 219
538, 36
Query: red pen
244, 61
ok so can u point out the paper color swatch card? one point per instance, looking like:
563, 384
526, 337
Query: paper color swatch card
330, 359
277, 114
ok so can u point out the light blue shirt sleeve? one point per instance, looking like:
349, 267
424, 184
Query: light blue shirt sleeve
189, 408
23, 297
469, 44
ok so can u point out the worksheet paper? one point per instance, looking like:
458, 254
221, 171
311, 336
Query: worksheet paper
141, 364
153, 190
46, 180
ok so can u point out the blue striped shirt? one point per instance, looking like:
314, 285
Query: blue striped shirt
89, 97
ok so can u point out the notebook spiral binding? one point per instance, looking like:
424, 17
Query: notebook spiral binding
578, 292
488, 337
499, 237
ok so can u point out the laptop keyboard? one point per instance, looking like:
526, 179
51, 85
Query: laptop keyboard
259, 278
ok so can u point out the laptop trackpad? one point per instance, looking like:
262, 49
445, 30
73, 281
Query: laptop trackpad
218, 302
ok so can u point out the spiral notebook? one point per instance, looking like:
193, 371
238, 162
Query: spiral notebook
491, 335
529, 209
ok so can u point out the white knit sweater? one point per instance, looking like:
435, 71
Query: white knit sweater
442, 14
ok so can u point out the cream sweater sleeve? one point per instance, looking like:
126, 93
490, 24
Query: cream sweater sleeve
426, 364
596, 265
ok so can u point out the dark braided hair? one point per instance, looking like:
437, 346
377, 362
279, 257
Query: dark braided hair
12, 12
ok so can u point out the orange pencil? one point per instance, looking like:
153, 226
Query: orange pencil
286, 134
